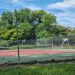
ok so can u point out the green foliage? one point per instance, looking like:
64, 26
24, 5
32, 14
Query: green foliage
72, 38
9, 34
7, 17
23, 15
31, 24
26, 30
44, 30
3, 43
24, 47
54, 69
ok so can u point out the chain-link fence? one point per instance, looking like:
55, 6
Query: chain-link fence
64, 42
8, 47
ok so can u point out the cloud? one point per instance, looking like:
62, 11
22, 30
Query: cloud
17, 4
66, 4
66, 18
67, 15
33, 7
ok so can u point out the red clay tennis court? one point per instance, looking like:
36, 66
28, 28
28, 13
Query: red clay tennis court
27, 52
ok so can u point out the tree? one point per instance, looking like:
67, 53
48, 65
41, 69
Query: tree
31, 24
7, 17
26, 30
23, 15
36, 16
45, 29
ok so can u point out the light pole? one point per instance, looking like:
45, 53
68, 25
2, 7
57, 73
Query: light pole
17, 39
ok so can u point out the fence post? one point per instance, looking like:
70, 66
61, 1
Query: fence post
52, 42
68, 42
17, 36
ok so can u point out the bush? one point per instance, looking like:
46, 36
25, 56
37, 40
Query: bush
3, 43
24, 47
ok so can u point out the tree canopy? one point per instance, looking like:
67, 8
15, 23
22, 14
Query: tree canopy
31, 24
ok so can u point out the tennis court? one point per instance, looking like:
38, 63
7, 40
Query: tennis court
36, 50
28, 52
27, 55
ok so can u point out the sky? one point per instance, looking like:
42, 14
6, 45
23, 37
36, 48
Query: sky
64, 10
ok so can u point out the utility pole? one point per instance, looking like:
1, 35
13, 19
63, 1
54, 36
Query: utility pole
17, 39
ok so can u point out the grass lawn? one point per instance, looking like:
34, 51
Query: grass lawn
50, 69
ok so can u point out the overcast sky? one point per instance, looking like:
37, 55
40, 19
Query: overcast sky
63, 9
